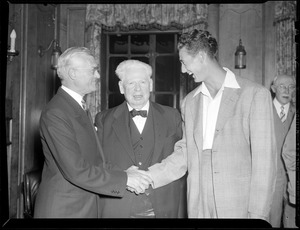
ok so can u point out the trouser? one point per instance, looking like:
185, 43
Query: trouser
276, 211
289, 215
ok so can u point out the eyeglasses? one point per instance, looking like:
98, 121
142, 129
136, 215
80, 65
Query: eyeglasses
93, 70
283, 88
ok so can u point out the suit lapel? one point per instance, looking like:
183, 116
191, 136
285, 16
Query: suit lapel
160, 130
226, 110
96, 137
290, 115
121, 128
80, 114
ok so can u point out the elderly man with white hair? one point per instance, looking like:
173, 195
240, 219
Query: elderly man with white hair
283, 87
140, 132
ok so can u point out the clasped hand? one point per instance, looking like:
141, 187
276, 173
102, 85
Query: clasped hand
138, 180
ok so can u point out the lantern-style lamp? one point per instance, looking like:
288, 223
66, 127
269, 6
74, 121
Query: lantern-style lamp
240, 56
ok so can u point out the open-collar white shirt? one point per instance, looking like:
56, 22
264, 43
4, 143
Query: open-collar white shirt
211, 107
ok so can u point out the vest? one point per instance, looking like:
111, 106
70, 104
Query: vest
143, 146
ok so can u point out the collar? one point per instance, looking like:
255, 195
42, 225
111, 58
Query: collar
229, 82
278, 105
77, 97
146, 107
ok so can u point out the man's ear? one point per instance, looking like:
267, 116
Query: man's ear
201, 56
151, 84
273, 88
121, 87
72, 74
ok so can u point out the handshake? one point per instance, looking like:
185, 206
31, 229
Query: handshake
138, 180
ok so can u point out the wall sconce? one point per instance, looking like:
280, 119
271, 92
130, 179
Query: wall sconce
56, 52
11, 52
240, 53
240, 57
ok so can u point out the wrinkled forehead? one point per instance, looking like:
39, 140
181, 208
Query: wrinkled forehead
136, 72
285, 79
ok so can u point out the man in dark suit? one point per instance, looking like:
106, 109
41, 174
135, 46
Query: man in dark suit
284, 89
74, 172
141, 133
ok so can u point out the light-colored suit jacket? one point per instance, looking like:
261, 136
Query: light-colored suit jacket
243, 153
73, 174
114, 134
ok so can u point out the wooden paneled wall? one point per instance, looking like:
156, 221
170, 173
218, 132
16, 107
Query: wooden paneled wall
30, 86
72, 25
241, 21
253, 23
31, 83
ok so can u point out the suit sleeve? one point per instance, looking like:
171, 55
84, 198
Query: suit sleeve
175, 165
58, 133
263, 152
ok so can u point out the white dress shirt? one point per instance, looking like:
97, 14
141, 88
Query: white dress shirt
211, 107
139, 120
278, 108
77, 97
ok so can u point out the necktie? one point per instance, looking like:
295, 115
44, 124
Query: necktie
84, 106
142, 113
282, 114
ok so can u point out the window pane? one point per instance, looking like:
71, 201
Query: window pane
112, 77
143, 59
165, 43
118, 44
167, 73
164, 99
139, 44
115, 99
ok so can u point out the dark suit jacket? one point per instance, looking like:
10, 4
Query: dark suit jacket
73, 173
113, 131
281, 130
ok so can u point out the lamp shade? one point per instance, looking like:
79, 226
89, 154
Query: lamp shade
56, 52
240, 56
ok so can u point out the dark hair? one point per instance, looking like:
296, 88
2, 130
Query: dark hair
197, 40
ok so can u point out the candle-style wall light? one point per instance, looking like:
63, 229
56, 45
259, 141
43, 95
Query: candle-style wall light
56, 51
11, 51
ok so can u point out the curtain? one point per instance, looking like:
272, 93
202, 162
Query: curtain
126, 17
285, 16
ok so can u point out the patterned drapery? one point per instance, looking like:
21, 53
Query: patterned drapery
285, 16
126, 17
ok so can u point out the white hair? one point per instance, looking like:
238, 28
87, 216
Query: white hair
282, 75
65, 60
127, 64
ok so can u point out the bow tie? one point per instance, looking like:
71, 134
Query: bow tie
142, 113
